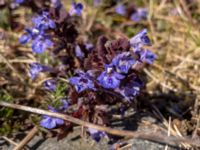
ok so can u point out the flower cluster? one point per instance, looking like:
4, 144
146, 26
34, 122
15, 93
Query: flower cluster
119, 69
40, 39
42, 23
118, 77
41, 35
97, 75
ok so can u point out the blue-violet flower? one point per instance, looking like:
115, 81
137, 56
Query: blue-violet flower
51, 122
43, 21
30, 34
123, 62
147, 56
56, 3
140, 39
110, 79
76, 9
140, 14
95, 134
82, 82
89, 46
35, 69
50, 85
64, 104
40, 44
79, 52
121, 9
19, 1
131, 89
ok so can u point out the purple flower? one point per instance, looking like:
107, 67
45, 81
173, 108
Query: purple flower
82, 82
140, 39
79, 52
56, 3
89, 46
135, 17
50, 85
34, 32
35, 69
30, 34
43, 21
19, 1
24, 39
147, 56
131, 88
76, 9
64, 104
40, 44
120, 9
95, 134
110, 79
140, 14
51, 122
123, 62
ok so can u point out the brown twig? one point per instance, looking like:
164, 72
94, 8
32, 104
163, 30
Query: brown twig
125, 147
30, 135
10, 141
152, 136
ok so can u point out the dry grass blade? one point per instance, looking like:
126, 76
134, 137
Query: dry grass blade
10, 141
30, 135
